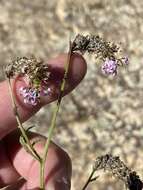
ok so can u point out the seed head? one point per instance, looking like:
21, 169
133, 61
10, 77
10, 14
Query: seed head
108, 52
119, 170
36, 71
95, 44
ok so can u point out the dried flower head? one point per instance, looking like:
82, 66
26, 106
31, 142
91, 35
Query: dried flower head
37, 74
106, 51
34, 69
119, 170
95, 44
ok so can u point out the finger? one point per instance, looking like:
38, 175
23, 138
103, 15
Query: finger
77, 71
58, 164
19, 185
7, 173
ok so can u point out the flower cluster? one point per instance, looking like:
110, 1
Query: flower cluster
106, 51
110, 67
37, 74
32, 96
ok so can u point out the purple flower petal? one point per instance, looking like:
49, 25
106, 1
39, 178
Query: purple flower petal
109, 67
31, 96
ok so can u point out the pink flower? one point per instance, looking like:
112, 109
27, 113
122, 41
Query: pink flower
109, 67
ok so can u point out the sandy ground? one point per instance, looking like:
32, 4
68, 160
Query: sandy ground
104, 114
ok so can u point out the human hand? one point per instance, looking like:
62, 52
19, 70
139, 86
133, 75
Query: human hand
15, 162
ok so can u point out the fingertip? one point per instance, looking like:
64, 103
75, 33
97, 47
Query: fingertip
77, 67
77, 70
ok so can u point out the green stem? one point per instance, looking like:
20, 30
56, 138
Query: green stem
20, 126
53, 121
42, 181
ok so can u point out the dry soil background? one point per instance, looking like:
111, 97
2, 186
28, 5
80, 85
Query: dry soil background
104, 114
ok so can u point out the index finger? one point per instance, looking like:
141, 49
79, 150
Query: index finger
76, 73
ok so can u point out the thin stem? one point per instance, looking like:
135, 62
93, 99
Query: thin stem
20, 126
42, 182
89, 180
53, 121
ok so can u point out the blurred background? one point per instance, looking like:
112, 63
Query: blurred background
104, 114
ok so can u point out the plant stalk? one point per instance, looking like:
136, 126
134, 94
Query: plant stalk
20, 126
89, 180
53, 121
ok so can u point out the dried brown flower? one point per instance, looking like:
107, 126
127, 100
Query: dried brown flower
119, 170
34, 69
108, 52
95, 44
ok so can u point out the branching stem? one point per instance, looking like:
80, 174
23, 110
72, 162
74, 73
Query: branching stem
90, 179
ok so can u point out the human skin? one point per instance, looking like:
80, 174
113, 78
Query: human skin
15, 162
